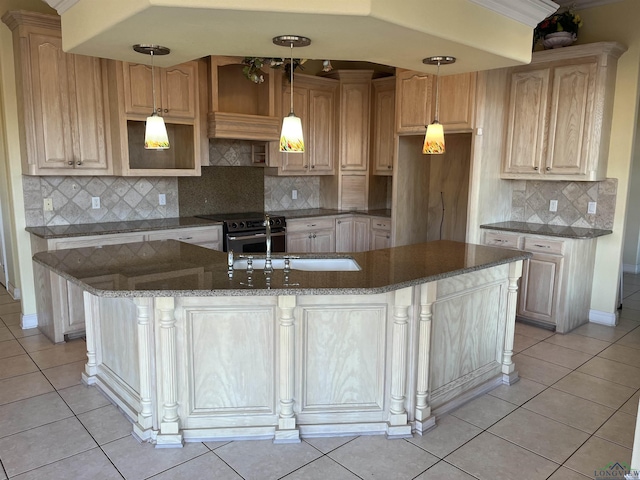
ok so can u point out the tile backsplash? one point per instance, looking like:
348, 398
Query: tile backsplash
121, 198
277, 193
530, 202
229, 153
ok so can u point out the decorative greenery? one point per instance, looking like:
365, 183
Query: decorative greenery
565, 20
254, 66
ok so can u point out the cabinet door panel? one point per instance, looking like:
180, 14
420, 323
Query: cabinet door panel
414, 95
298, 242
87, 112
354, 126
138, 91
361, 231
321, 132
570, 119
50, 102
344, 234
323, 241
383, 132
179, 91
540, 287
379, 239
527, 121
457, 100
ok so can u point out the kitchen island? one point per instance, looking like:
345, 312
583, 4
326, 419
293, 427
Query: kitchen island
191, 352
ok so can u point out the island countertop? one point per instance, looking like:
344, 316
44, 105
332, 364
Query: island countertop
172, 268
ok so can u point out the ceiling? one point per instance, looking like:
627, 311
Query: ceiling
482, 34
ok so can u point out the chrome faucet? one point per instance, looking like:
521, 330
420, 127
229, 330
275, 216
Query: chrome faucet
267, 262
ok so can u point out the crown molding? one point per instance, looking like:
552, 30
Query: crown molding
529, 12
582, 4
61, 6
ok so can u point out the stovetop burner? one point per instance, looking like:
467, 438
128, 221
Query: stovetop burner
240, 222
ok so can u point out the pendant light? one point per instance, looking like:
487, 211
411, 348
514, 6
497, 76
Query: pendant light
155, 133
291, 138
434, 138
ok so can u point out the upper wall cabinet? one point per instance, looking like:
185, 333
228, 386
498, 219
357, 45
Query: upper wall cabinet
559, 116
315, 102
415, 102
61, 101
240, 108
383, 130
181, 101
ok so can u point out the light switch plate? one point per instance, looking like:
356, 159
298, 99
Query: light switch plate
553, 205
591, 208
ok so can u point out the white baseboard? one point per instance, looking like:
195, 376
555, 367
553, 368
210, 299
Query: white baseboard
29, 321
603, 318
630, 268
13, 291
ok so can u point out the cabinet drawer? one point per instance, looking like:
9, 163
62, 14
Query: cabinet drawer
188, 235
310, 224
503, 240
544, 245
381, 224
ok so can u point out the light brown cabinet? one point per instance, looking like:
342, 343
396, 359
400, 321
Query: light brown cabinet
559, 114
311, 235
380, 234
181, 96
383, 131
315, 102
176, 90
555, 288
352, 233
61, 101
416, 101
355, 100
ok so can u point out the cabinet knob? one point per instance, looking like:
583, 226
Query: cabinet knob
79, 162
389, 167
339, 221
314, 235
388, 236
535, 168
313, 166
309, 235
548, 168
306, 166
166, 110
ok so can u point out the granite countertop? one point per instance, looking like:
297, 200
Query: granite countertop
549, 230
172, 268
87, 229
325, 212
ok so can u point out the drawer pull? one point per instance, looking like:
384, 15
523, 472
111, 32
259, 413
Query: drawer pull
312, 225
541, 246
499, 241
185, 238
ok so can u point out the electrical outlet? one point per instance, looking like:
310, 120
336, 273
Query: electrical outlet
591, 208
48, 204
162, 199
95, 202
553, 205
294, 194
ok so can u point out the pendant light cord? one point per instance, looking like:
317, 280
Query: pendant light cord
153, 84
291, 79
437, 92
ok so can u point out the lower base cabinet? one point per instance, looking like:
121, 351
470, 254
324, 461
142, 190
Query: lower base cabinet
555, 288
380, 233
312, 235
352, 233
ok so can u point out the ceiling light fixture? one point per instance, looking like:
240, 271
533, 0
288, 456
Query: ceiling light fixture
291, 137
434, 138
155, 133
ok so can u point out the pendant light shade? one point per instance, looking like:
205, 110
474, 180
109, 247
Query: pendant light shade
291, 137
155, 132
434, 138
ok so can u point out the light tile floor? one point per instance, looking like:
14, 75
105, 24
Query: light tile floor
573, 412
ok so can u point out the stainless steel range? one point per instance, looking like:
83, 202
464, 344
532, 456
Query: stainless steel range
246, 232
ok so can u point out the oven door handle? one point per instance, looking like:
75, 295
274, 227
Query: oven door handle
257, 235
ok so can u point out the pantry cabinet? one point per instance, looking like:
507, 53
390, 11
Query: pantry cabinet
383, 131
559, 114
555, 289
61, 101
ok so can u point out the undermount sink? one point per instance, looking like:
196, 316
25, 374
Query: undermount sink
306, 264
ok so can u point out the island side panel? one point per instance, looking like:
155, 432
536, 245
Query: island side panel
468, 335
227, 366
343, 356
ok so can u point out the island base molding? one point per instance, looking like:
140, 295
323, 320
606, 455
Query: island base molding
200, 368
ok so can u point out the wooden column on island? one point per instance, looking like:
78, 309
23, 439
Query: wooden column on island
423, 419
287, 431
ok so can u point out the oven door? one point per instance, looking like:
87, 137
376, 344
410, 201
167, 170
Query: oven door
255, 242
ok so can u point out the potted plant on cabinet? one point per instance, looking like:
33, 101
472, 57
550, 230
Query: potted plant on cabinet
559, 29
